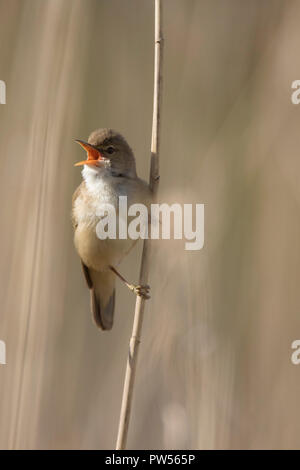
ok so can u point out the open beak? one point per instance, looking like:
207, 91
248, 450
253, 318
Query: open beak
94, 157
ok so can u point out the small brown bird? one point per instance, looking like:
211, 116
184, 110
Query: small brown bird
108, 172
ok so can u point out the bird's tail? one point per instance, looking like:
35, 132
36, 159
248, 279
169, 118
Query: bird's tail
102, 292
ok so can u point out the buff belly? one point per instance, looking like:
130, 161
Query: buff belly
99, 254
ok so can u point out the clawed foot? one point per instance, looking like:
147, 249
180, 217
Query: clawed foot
142, 291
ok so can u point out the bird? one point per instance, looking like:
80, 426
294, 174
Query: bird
109, 172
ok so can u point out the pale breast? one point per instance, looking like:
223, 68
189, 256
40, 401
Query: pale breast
94, 252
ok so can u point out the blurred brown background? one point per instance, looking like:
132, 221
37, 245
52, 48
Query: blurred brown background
214, 367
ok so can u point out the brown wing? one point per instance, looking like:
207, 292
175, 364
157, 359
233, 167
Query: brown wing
87, 275
102, 292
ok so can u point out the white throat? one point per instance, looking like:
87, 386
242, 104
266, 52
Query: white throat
100, 183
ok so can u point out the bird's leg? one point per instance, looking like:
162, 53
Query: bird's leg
142, 291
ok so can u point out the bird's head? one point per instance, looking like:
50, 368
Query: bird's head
107, 150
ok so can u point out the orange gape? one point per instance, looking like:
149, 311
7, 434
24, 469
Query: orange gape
93, 155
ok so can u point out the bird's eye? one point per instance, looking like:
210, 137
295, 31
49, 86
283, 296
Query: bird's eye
110, 150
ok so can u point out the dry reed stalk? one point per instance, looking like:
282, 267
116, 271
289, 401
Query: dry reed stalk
145, 263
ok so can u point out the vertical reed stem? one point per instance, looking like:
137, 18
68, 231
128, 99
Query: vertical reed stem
153, 183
